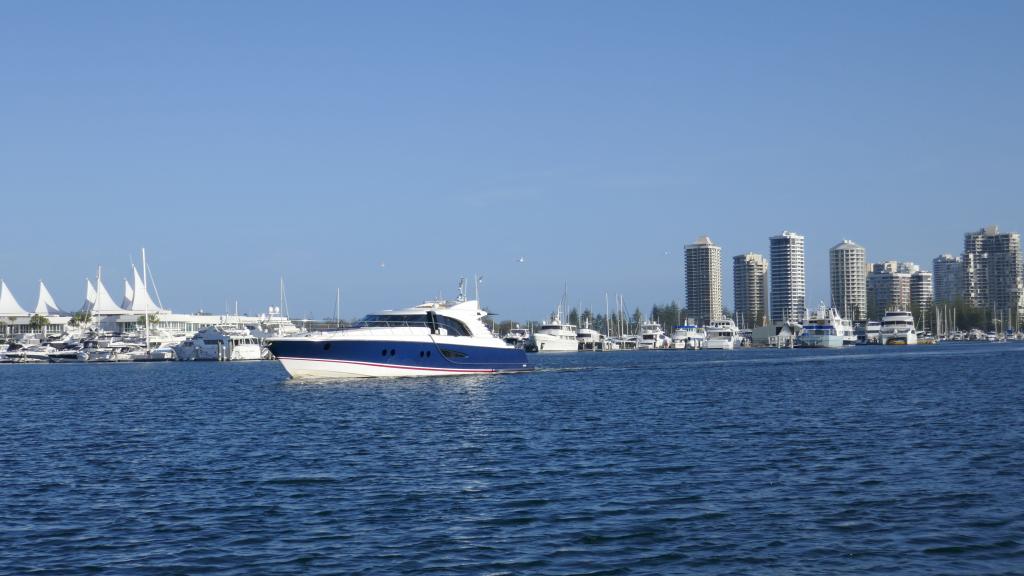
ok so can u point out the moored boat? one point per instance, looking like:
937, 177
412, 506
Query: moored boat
897, 328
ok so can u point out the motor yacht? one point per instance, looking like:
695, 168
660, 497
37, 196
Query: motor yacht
590, 339
652, 336
822, 329
897, 328
688, 337
220, 343
436, 338
722, 335
554, 336
516, 337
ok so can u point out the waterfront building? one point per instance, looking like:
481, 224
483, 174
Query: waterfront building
992, 270
888, 287
788, 277
848, 280
921, 298
704, 280
947, 278
750, 289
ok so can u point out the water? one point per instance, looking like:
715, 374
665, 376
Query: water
872, 460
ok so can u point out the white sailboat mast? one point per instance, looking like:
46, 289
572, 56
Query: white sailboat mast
145, 290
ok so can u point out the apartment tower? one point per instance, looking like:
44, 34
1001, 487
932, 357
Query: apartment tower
704, 280
750, 289
848, 277
788, 277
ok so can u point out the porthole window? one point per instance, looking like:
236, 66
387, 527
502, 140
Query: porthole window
327, 346
392, 351
421, 353
384, 352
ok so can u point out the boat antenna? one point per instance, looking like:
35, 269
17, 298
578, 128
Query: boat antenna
337, 309
462, 289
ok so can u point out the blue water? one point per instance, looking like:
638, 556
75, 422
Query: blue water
907, 460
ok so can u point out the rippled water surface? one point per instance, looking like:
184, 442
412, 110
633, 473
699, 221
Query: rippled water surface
869, 460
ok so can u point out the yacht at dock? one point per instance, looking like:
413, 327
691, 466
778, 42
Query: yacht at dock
822, 329
897, 328
688, 337
722, 335
554, 336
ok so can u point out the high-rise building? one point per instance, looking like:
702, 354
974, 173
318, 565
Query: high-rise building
997, 268
888, 287
921, 298
704, 280
750, 289
846, 263
992, 270
947, 278
788, 277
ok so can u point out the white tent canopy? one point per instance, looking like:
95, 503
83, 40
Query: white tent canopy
8, 305
141, 302
90, 296
129, 295
45, 306
104, 303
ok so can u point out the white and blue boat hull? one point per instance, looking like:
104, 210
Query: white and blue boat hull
310, 358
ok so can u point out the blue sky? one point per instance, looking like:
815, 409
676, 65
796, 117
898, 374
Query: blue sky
245, 141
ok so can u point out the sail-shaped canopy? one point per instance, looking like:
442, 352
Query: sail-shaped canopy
45, 306
129, 295
141, 302
90, 296
8, 305
104, 303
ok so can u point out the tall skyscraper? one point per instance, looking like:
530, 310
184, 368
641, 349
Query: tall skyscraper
704, 280
888, 287
921, 298
993, 268
947, 278
846, 263
788, 277
750, 289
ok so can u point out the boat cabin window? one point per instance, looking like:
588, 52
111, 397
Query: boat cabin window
452, 326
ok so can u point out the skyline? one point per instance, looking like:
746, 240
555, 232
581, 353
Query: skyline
240, 144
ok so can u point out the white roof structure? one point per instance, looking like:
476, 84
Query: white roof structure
8, 305
141, 301
45, 306
104, 304
90, 296
129, 295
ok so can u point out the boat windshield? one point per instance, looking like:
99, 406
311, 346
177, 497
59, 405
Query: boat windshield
451, 325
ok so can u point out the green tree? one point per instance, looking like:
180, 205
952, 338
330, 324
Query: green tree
141, 320
80, 318
38, 323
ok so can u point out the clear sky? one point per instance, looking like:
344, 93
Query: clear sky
244, 141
